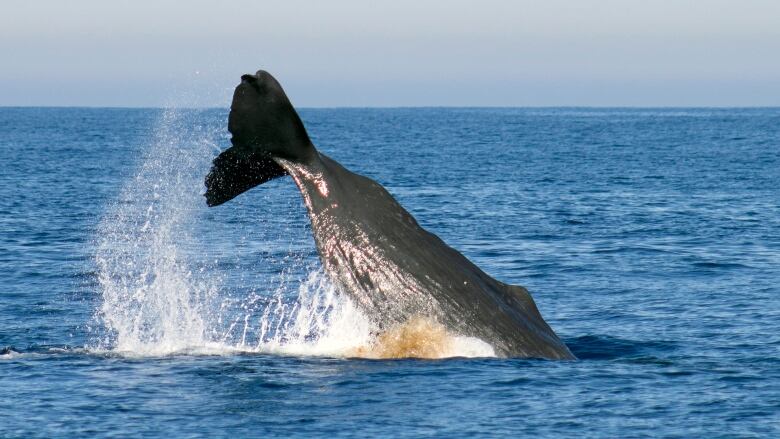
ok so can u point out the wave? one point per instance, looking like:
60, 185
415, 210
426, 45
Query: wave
604, 347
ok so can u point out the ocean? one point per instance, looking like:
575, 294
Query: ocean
649, 238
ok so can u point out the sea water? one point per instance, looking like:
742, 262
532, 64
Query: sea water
650, 239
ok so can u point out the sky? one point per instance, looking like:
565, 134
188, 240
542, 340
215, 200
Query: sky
350, 53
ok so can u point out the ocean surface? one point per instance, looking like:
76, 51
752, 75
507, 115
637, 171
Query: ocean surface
650, 239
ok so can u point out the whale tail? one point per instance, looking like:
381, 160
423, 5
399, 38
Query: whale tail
264, 126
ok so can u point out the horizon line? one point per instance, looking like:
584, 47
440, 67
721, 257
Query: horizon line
391, 107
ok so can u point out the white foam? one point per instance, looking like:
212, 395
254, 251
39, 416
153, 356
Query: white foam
320, 322
470, 347
10, 354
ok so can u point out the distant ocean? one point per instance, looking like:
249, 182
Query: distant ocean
650, 239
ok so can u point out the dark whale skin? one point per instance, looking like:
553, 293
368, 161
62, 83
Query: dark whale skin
369, 245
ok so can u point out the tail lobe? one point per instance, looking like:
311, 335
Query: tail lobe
235, 172
265, 126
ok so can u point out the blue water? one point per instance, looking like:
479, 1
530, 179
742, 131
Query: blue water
650, 239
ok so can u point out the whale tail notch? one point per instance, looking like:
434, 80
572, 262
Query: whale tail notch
264, 126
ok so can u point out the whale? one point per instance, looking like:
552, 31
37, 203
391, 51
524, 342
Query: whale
371, 248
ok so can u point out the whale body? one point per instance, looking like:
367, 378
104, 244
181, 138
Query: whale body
370, 246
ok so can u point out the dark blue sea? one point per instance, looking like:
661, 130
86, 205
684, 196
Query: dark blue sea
650, 239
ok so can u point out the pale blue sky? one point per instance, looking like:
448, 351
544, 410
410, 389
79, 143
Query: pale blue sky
393, 53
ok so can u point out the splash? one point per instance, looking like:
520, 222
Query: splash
325, 323
159, 297
153, 302
7, 353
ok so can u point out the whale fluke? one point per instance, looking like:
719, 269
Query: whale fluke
264, 125
236, 171
369, 245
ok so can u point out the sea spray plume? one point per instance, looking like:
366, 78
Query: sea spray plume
152, 300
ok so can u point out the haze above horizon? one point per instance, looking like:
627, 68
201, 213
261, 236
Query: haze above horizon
401, 53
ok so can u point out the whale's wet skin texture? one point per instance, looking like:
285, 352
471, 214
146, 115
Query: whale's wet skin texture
371, 247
